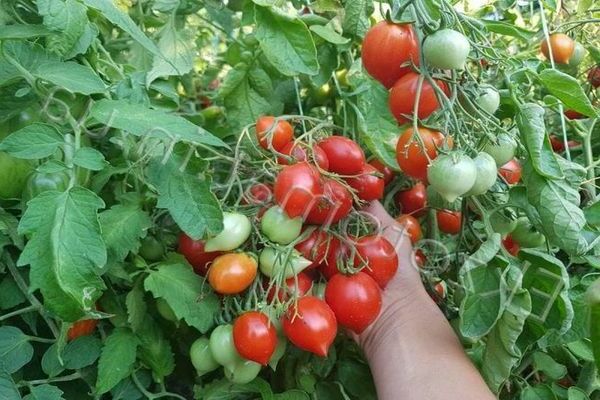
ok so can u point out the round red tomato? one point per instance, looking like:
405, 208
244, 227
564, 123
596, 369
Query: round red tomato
299, 153
449, 221
411, 227
310, 324
258, 194
84, 327
334, 204
232, 273
314, 247
419, 258
558, 145
511, 171
368, 185
388, 174
283, 293
594, 76
354, 299
380, 258
297, 188
193, 251
572, 114
410, 156
510, 245
413, 200
278, 136
403, 95
562, 47
345, 155
337, 252
254, 337
386, 48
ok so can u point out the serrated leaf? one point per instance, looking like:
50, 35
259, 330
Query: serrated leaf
32, 142
81, 352
117, 359
568, 90
546, 364
329, 34
122, 228
10, 294
67, 18
356, 17
508, 29
89, 158
71, 76
45, 392
177, 53
22, 31
154, 349
538, 392
136, 307
15, 349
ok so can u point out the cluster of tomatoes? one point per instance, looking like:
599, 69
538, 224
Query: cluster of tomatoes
309, 276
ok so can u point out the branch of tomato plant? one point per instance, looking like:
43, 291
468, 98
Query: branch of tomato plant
150, 395
589, 160
20, 311
64, 378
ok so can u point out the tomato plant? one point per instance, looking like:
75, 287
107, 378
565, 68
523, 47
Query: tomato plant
453, 175
413, 200
446, 49
296, 188
278, 227
561, 46
378, 258
344, 155
81, 328
254, 337
195, 253
511, 171
449, 221
414, 153
367, 184
201, 356
297, 151
334, 204
273, 134
388, 174
411, 226
232, 273
404, 92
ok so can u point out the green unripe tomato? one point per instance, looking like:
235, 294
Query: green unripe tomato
165, 310
278, 227
273, 263
242, 372
151, 248
446, 49
222, 347
39, 182
201, 356
452, 175
236, 230
488, 99
526, 235
592, 295
502, 223
578, 55
318, 290
13, 176
503, 150
486, 174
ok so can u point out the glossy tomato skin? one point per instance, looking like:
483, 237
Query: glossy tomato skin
511, 171
298, 152
310, 324
354, 299
562, 47
332, 206
345, 155
278, 227
413, 200
282, 134
84, 327
232, 273
304, 285
386, 47
411, 226
314, 247
446, 49
254, 337
380, 257
388, 174
193, 251
367, 184
337, 253
298, 187
411, 159
449, 221
510, 245
201, 357
594, 76
258, 194
403, 95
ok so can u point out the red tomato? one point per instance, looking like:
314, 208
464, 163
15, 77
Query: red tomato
511, 171
420, 258
440, 288
594, 76
559, 146
232, 273
345, 155
413, 200
315, 247
354, 299
411, 158
258, 194
380, 257
403, 95
386, 47
84, 327
510, 245
562, 47
572, 114
254, 337
310, 324
279, 136
297, 188
449, 221
411, 226
283, 294
336, 253
334, 204
298, 152
388, 174
368, 185
193, 251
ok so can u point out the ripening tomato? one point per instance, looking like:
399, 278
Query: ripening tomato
378, 256
275, 262
403, 95
411, 227
254, 337
84, 327
413, 200
511, 171
297, 152
410, 156
270, 134
354, 299
449, 221
562, 47
345, 155
193, 251
297, 188
510, 245
232, 273
386, 48
258, 194
334, 204
388, 174
594, 76
572, 114
502, 150
310, 324
278, 227
296, 286
367, 184
315, 247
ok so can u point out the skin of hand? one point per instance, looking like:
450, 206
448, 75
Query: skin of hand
411, 349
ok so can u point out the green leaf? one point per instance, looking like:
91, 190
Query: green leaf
568, 90
71, 76
8, 389
15, 349
136, 307
44, 392
67, 18
22, 31
89, 158
117, 359
122, 228
225, 390
66, 251
154, 349
546, 364
177, 52
574, 393
286, 42
356, 17
186, 293
508, 29
539, 392
81, 352
149, 123
592, 214
356, 379
32, 142
10, 294
530, 120
329, 34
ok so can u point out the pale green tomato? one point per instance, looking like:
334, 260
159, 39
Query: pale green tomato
503, 150
278, 227
502, 222
274, 263
318, 290
526, 235
446, 49
452, 175
242, 372
488, 99
165, 310
201, 356
278, 353
236, 230
592, 295
578, 55
222, 347
486, 174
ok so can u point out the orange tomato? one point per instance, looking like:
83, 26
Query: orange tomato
562, 47
449, 221
232, 273
277, 136
81, 328
411, 158
412, 227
